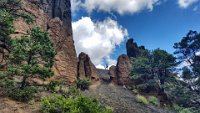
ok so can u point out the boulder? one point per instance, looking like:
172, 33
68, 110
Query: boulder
86, 68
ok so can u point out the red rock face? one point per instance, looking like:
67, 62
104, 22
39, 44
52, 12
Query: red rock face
86, 68
53, 16
121, 73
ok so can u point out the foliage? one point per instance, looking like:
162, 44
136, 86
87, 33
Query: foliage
80, 104
186, 73
5, 82
151, 70
154, 100
8, 12
187, 50
22, 94
83, 84
142, 99
6, 24
179, 109
54, 86
32, 55
28, 17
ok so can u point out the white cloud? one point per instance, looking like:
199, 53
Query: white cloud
186, 3
119, 6
109, 61
98, 39
75, 5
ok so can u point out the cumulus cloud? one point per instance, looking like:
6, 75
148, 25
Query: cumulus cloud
98, 39
186, 3
119, 6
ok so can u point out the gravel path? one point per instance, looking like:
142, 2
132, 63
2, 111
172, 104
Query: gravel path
120, 99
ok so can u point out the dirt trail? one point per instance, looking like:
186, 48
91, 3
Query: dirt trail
10, 106
120, 99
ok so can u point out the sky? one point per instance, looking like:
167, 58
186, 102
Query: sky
102, 27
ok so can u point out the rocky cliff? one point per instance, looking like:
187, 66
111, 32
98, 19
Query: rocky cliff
53, 16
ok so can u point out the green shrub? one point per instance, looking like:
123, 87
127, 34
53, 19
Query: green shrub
142, 99
22, 94
135, 91
180, 109
5, 82
186, 110
73, 92
29, 18
80, 104
154, 100
83, 84
54, 86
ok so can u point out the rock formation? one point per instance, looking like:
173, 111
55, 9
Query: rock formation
86, 68
123, 69
120, 74
53, 16
133, 50
112, 73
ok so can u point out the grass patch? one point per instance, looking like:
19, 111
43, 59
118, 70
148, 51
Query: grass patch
142, 99
154, 100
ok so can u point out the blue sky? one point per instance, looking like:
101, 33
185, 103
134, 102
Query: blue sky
152, 23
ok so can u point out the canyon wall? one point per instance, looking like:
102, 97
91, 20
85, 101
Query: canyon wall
53, 16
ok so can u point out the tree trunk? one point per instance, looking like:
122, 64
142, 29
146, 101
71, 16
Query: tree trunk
23, 83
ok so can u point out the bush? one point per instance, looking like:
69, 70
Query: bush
83, 84
80, 104
135, 91
29, 18
154, 100
186, 110
180, 109
54, 86
142, 99
22, 94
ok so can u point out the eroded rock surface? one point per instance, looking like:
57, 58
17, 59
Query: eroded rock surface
112, 73
53, 16
120, 74
86, 68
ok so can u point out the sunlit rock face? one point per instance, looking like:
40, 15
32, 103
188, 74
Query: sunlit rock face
54, 16
120, 74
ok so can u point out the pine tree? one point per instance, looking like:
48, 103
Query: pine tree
32, 55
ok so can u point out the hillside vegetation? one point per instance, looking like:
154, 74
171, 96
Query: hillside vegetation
157, 86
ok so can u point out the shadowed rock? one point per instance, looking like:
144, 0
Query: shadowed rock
86, 68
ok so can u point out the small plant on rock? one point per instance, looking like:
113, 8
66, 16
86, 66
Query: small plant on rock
142, 99
154, 100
